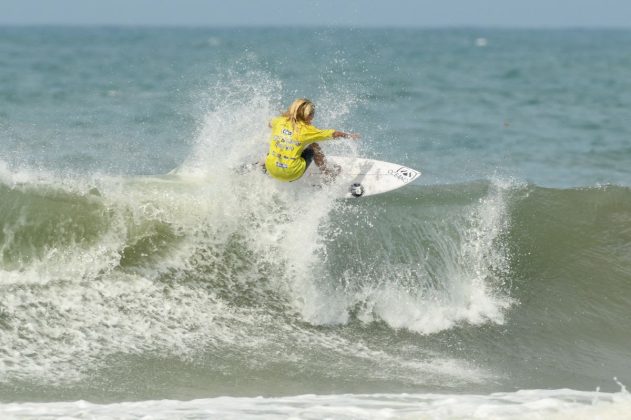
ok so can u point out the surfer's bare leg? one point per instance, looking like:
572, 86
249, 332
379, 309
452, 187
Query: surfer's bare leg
320, 161
318, 156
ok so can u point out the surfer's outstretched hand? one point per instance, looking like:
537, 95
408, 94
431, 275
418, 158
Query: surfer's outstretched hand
352, 136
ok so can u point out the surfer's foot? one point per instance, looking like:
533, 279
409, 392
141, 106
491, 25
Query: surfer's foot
330, 173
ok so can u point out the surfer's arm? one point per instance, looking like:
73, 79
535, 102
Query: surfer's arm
311, 134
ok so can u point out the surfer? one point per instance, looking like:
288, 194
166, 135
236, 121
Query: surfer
293, 143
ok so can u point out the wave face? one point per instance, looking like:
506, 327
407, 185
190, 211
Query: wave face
237, 282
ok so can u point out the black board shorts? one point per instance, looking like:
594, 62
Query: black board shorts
307, 155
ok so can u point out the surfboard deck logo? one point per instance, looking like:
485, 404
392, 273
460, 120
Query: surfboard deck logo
405, 174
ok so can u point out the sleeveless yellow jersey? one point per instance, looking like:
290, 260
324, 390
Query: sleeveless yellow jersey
287, 144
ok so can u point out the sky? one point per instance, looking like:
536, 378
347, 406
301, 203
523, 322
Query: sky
350, 13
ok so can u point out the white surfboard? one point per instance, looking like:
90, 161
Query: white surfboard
360, 177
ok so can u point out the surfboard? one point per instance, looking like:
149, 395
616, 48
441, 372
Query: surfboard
359, 177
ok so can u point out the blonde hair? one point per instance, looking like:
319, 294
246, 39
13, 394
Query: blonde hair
300, 111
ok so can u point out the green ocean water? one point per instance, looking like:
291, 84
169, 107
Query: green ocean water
504, 269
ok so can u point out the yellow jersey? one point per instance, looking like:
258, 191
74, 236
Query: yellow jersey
284, 161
